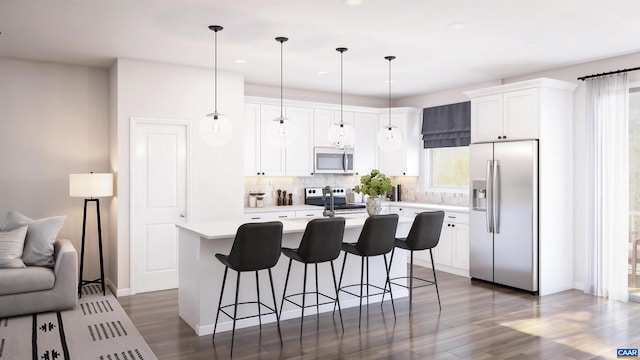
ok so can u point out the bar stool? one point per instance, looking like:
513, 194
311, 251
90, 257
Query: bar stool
376, 238
256, 247
424, 234
320, 243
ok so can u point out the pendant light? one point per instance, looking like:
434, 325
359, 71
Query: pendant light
341, 135
215, 128
390, 136
280, 133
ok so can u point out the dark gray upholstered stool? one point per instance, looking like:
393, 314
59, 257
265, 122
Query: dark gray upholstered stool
377, 238
321, 242
424, 235
256, 247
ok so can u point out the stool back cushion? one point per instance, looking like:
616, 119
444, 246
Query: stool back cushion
378, 235
322, 240
256, 246
425, 231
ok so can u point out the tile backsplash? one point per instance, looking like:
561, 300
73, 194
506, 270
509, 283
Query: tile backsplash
412, 189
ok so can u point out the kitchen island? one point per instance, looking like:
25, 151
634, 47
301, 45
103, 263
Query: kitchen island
200, 274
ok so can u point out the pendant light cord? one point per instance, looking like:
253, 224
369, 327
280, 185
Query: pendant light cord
215, 76
341, 91
389, 58
281, 78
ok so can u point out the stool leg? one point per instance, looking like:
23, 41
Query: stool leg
224, 280
434, 279
411, 282
384, 292
304, 292
393, 306
367, 261
317, 298
340, 283
258, 292
286, 282
235, 312
335, 284
361, 281
275, 305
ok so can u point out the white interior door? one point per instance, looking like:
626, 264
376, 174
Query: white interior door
159, 191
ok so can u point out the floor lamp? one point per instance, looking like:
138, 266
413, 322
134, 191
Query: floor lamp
91, 187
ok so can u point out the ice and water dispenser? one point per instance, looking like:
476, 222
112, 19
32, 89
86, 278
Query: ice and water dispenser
479, 194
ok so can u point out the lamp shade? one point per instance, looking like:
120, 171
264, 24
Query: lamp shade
90, 185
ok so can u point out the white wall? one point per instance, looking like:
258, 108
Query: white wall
53, 122
450, 96
314, 96
164, 91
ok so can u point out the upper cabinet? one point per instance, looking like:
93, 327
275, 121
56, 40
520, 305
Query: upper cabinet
406, 160
513, 111
365, 147
309, 125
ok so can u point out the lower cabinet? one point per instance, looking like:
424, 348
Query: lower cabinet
270, 215
452, 252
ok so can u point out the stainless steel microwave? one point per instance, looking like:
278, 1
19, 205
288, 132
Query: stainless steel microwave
328, 160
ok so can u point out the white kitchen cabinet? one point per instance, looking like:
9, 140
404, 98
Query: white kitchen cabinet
512, 115
270, 215
452, 252
264, 159
308, 213
406, 160
322, 120
260, 157
365, 148
299, 154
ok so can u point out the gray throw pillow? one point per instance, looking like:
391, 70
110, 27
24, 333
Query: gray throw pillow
38, 246
11, 245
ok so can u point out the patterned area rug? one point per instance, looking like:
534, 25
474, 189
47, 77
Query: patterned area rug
98, 328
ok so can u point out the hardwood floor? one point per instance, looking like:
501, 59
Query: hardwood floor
477, 321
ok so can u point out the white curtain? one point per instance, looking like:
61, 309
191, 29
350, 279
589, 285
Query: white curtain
608, 186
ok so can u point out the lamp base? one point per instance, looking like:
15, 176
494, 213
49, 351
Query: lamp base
100, 280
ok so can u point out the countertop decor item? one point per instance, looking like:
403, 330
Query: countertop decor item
341, 135
215, 128
390, 136
375, 185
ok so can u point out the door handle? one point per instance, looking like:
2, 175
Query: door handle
496, 197
489, 210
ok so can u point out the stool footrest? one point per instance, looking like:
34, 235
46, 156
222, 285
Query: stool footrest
272, 311
384, 291
428, 282
332, 300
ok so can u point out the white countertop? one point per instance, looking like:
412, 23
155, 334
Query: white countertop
453, 208
226, 229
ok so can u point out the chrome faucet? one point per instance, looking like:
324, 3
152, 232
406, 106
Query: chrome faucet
331, 212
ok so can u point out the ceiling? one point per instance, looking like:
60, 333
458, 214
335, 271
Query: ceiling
439, 44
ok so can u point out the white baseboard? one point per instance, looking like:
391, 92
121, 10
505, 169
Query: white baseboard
118, 292
448, 269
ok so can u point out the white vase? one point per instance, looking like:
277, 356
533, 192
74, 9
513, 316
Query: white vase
374, 205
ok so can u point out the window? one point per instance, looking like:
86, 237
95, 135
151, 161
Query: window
448, 168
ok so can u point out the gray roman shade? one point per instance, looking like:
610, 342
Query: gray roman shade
447, 125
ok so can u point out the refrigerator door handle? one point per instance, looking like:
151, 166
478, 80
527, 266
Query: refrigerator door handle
489, 210
496, 197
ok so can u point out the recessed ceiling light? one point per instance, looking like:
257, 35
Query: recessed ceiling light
323, 72
533, 44
457, 26
354, 2
240, 61
388, 81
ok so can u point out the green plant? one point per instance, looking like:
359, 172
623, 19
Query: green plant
373, 184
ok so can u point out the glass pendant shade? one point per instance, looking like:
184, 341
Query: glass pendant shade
390, 138
280, 132
342, 136
215, 128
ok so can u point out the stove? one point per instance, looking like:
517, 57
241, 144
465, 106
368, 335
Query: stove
313, 196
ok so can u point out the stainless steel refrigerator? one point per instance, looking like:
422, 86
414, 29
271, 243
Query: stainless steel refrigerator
503, 221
